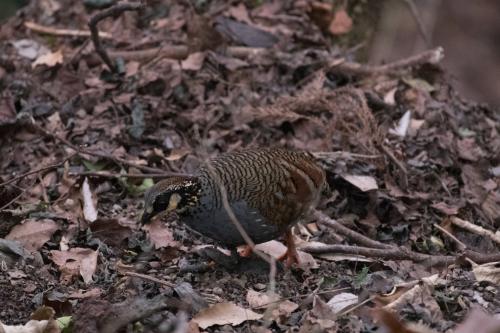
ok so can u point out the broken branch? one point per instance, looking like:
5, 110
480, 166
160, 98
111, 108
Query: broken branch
62, 32
111, 11
432, 56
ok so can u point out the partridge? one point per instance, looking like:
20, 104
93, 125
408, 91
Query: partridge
269, 190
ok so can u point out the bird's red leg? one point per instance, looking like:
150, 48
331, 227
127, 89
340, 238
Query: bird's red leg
291, 256
246, 251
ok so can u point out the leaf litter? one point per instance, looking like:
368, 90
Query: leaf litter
402, 153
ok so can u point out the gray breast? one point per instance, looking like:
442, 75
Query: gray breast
214, 222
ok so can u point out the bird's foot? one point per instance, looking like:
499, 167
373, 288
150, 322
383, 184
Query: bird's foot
290, 257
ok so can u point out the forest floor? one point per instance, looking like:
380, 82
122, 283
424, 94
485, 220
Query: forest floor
408, 235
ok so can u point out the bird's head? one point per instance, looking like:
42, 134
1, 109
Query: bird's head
171, 194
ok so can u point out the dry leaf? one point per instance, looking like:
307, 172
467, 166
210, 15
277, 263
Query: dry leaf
223, 314
29, 48
75, 261
260, 300
341, 23
488, 272
276, 250
89, 209
341, 301
403, 125
476, 319
49, 59
32, 234
364, 183
32, 326
160, 235
91, 293
194, 61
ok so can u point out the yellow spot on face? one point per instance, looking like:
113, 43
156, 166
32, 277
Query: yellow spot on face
173, 202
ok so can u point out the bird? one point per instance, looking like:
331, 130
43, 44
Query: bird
268, 189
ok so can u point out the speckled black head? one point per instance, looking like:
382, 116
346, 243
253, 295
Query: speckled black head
172, 194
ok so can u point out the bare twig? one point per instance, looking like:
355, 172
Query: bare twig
330, 155
112, 11
107, 174
401, 167
375, 249
418, 20
150, 278
83, 151
432, 56
23, 190
475, 229
323, 219
460, 244
49, 167
180, 52
400, 253
62, 32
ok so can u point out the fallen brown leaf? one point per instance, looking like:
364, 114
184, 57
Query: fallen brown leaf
223, 314
75, 261
32, 234
160, 235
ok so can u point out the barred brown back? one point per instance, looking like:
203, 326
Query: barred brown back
282, 185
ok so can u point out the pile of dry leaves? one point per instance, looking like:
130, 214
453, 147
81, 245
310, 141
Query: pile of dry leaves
407, 242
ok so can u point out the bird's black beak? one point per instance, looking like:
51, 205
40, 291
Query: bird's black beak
146, 217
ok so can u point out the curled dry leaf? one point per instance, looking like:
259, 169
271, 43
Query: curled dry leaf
260, 300
223, 314
341, 301
32, 326
49, 59
160, 235
276, 249
488, 272
364, 183
89, 208
110, 231
194, 61
403, 125
32, 234
75, 261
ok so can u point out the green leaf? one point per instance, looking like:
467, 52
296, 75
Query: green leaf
419, 84
64, 323
98, 166
136, 190
362, 278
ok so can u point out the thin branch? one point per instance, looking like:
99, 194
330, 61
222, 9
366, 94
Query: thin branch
323, 219
107, 174
180, 52
400, 253
432, 56
475, 229
460, 244
400, 166
418, 20
375, 249
83, 151
112, 11
62, 32
49, 167
331, 155
150, 278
